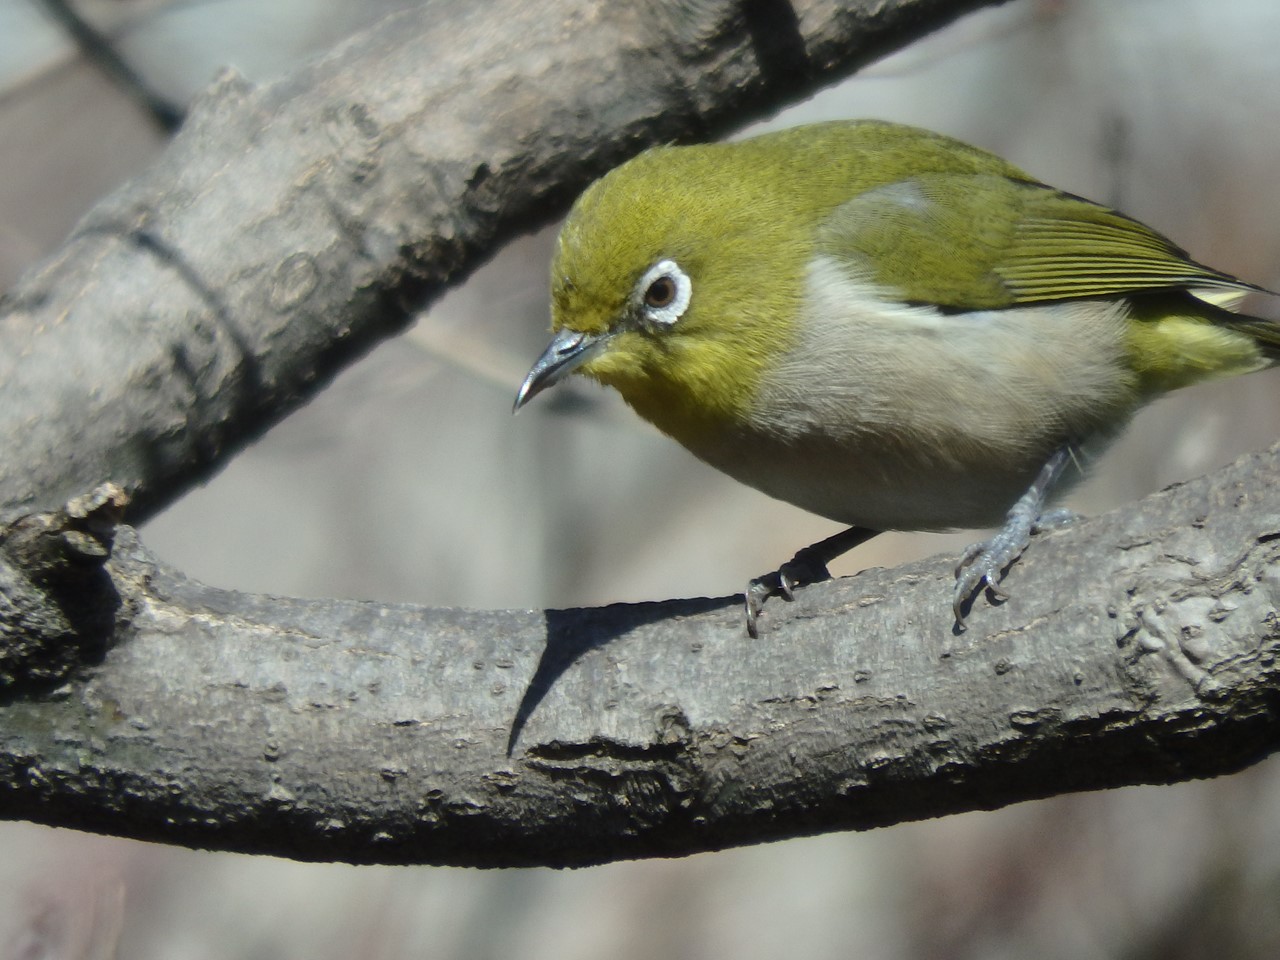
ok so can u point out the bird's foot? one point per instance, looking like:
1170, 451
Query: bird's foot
780, 583
982, 565
807, 566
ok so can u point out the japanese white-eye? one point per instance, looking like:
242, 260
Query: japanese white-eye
882, 325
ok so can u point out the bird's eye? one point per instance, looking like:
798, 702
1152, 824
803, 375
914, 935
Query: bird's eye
663, 293
660, 293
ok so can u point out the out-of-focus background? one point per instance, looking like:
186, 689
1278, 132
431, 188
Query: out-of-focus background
1168, 109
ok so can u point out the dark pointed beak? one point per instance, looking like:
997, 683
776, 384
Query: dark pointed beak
568, 350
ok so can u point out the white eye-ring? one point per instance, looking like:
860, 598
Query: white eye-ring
664, 293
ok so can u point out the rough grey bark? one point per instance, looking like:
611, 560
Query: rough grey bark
289, 227
1139, 647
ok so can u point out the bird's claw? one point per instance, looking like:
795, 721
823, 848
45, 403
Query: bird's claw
758, 591
982, 565
797, 572
789, 579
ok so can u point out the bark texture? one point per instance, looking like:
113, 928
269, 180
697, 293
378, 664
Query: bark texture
1139, 647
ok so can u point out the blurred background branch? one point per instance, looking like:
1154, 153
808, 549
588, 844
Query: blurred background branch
99, 50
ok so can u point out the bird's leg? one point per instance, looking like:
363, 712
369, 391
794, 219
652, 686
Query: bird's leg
807, 566
983, 564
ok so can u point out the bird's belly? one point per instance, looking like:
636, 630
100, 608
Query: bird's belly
894, 416
875, 483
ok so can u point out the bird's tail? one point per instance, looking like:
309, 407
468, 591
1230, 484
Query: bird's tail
1264, 333
1187, 337
1225, 302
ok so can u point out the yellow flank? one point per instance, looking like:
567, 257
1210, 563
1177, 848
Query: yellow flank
1173, 345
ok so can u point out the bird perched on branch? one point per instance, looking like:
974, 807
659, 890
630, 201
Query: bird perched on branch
882, 325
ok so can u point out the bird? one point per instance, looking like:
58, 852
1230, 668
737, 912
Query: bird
882, 325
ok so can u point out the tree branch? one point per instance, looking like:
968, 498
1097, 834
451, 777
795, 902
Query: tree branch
289, 227
1139, 647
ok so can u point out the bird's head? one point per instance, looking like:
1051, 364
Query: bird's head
677, 277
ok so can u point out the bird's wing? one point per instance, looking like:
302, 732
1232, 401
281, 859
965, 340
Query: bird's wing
980, 241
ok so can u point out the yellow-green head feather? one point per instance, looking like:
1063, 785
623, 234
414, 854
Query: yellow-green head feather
744, 254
